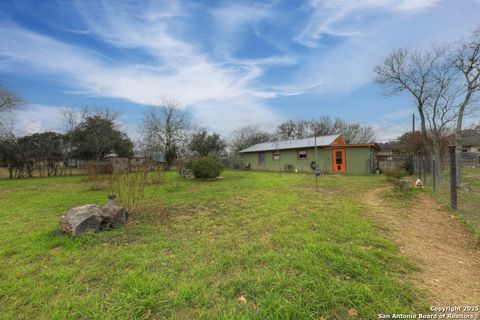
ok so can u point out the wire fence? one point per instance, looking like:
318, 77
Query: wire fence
454, 183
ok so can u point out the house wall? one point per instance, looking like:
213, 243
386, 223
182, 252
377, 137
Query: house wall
357, 160
473, 149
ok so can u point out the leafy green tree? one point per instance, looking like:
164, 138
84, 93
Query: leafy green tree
45, 151
11, 156
96, 136
207, 145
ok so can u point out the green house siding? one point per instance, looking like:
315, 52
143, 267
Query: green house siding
358, 160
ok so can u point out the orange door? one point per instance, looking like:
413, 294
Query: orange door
338, 159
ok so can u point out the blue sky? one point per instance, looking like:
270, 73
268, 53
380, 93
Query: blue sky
229, 63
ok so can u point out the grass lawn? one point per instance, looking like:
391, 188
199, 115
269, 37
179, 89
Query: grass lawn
200, 245
468, 199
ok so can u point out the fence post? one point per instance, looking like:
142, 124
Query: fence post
434, 173
453, 178
424, 171
419, 168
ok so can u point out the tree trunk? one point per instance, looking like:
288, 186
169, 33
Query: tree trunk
426, 147
458, 137
10, 169
438, 161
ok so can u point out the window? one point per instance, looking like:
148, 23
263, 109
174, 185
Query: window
261, 158
338, 157
302, 154
276, 155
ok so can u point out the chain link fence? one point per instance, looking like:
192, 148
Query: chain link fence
454, 183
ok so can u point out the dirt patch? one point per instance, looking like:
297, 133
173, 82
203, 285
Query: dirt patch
447, 254
56, 250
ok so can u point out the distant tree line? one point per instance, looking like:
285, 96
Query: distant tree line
91, 133
289, 130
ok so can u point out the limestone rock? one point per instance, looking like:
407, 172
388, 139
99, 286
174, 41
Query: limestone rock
78, 220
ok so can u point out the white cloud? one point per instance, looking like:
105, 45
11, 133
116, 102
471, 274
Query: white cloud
241, 112
34, 118
178, 70
223, 91
348, 63
234, 16
346, 17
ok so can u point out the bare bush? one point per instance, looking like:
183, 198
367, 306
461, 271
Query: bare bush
96, 175
129, 187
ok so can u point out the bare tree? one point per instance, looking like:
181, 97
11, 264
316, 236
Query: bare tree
292, 130
247, 136
9, 101
440, 109
322, 126
71, 118
412, 72
163, 129
353, 132
466, 60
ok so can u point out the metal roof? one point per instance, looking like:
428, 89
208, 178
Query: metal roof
322, 141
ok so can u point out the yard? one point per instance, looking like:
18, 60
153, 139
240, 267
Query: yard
250, 245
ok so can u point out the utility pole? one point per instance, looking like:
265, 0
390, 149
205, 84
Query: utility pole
413, 123
277, 143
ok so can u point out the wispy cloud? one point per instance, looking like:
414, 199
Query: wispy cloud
176, 69
346, 17
379, 27
224, 62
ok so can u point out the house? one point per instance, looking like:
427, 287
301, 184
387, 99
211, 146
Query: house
333, 155
471, 140
386, 154
136, 162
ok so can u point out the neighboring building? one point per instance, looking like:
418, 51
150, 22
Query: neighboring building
471, 140
136, 162
299, 156
112, 162
385, 154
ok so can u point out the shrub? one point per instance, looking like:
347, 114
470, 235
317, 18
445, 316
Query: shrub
408, 164
395, 174
129, 187
402, 185
206, 167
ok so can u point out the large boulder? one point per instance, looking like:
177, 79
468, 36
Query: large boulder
78, 220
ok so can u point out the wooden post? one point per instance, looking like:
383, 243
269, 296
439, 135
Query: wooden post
453, 178
424, 171
434, 173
